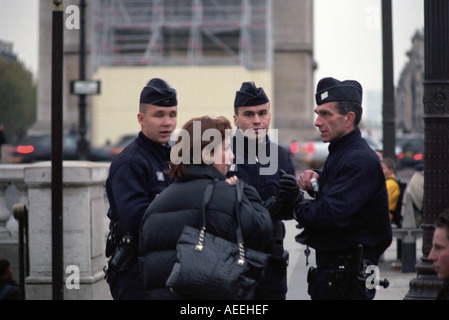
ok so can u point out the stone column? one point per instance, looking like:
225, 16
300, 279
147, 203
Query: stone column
71, 50
84, 230
12, 191
293, 65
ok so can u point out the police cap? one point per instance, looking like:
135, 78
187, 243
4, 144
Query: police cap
330, 89
249, 95
157, 92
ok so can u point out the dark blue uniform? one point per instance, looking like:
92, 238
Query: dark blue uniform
136, 177
274, 285
351, 208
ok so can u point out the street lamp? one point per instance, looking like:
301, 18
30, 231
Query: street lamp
57, 59
83, 88
83, 146
388, 107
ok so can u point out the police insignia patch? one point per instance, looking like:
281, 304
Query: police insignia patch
324, 95
160, 176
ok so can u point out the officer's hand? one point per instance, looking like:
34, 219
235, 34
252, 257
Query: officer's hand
288, 185
273, 205
231, 180
304, 179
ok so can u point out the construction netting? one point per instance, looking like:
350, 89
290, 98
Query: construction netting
181, 32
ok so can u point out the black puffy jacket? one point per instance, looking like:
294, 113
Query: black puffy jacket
180, 205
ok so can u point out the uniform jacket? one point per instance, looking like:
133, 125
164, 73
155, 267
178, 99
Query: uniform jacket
352, 203
248, 165
180, 205
136, 177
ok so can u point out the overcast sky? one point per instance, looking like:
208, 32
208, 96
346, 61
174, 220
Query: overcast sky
347, 36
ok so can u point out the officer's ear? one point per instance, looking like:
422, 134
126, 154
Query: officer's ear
143, 108
140, 117
351, 119
236, 120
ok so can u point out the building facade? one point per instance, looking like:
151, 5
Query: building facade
409, 91
203, 48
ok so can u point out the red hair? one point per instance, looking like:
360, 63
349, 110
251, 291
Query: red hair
221, 124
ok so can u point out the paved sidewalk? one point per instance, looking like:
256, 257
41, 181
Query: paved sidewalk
297, 270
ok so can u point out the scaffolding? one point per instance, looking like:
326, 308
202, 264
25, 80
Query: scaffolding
182, 32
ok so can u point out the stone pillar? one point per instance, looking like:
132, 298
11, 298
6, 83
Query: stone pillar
84, 230
71, 50
43, 112
293, 67
12, 191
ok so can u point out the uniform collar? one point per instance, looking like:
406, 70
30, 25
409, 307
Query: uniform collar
238, 136
239, 132
346, 139
161, 149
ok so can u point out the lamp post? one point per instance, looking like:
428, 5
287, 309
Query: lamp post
83, 88
388, 109
82, 145
56, 148
436, 140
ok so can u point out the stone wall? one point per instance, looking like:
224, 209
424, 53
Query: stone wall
84, 225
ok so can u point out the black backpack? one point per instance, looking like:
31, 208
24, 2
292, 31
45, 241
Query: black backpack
397, 217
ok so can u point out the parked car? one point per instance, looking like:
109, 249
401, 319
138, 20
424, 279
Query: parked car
405, 138
313, 154
412, 153
38, 148
115, 149
310, 154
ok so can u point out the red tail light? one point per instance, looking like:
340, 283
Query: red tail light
114, 151
310, 148
25, 149
294, 147
418, 156
400, 156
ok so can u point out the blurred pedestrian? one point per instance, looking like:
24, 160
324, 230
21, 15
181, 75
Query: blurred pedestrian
439, 254
9, 289
180, 204
3, 139
136, 177
274, 180
351, 206
388, 167
415, 193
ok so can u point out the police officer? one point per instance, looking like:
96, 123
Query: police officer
137, 175
268, 168
351, 206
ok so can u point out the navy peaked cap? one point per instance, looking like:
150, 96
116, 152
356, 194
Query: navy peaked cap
330, 89
249, 95
158, 93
